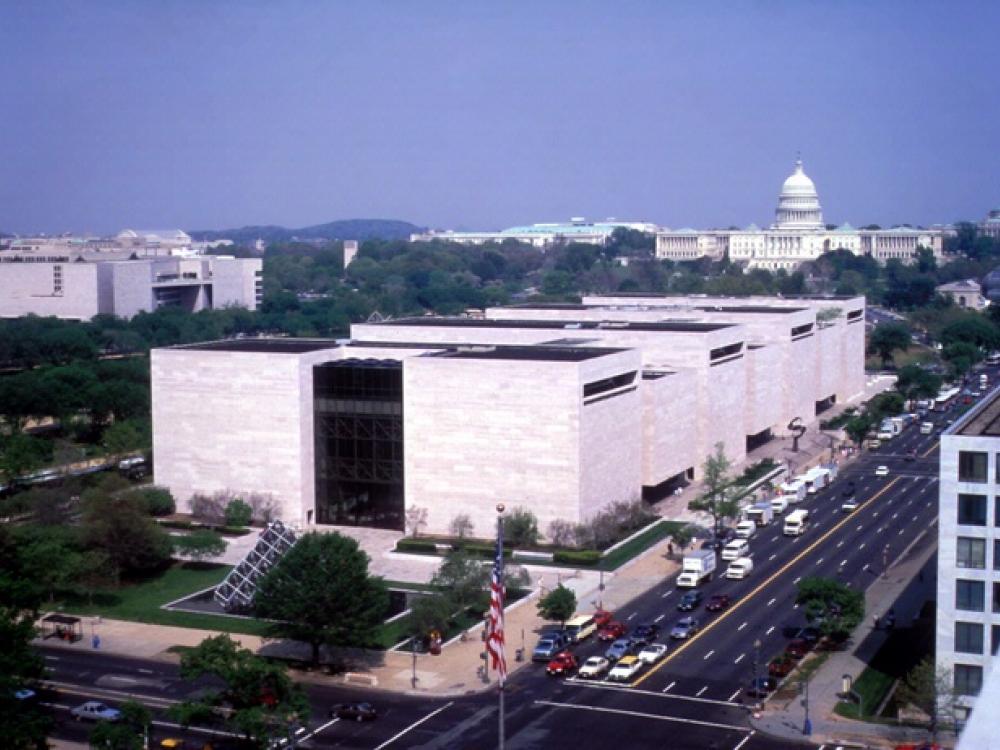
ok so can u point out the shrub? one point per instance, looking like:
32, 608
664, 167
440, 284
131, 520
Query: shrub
416, 545
561, 533
207, 508
577, 557
238, 513
462, 526
264, 506
200, 545
521, 527
613, 524
157, 501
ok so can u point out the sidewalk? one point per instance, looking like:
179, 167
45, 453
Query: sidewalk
905, 591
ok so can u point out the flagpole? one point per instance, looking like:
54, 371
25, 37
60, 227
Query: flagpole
500, 509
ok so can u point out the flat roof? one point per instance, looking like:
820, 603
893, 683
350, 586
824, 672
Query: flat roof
751, 309
264, 345
528, 353
983, 420
587, 325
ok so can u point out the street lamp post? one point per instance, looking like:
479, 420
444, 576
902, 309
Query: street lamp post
756, 665
885, 561
413, 648
807, 727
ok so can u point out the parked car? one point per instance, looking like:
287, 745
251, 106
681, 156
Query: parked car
595, 666
685, 628
761, 687
626, 668
809, 634
882, 471
612, 631
849, 490
690, 601
797, 648
780, 666
644, 634
562, 664
653, 653
354, 712
718, 602
849, 505
746, 529
618, 649
95, 711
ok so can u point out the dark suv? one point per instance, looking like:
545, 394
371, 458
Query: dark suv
690, 601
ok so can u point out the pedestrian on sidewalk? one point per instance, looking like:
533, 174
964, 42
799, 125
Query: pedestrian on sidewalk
875, 618
670, 551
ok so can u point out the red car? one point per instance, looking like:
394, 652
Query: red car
718, 602
602, 617
612, 631
562, 664
797, 648
780, 666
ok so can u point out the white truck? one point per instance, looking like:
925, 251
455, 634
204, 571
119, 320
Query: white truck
761, 514
794, 492
795, 522
815, 479
697, 566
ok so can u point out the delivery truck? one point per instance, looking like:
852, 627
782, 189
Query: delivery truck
760, 513
696, 567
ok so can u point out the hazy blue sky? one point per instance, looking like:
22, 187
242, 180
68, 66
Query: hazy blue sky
486, 114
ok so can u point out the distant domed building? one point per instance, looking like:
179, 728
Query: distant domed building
798, 234
990, 226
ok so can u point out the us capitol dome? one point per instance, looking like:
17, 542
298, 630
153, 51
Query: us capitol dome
797, 235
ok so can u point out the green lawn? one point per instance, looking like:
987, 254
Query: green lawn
637, 546
873, 685
141, 602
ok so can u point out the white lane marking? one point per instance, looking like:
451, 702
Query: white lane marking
772, 601
742, 742
739, 659
861, 546
875, 514
415, 724
708, 655
860, 526
640, 714
914, 518
733, 696
843, 563
769, 630
900, 532
774, 538
795, 606
698, 694
669, 687
52, 658
664, 596
772, 557
659, 618
319, 729
146, 671
840, 544
631, 616
741, 627
820, 561
796, 581
894, 515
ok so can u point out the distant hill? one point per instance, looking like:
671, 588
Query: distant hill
346, 229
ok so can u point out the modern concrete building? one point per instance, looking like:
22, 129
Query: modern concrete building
968, 596
555, 408
74, 284
798, 234
542, 235
990, 226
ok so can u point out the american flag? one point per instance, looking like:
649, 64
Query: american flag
494, 643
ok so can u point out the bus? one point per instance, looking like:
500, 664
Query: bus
945, 398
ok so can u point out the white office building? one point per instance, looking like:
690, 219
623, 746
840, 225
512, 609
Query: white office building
968, 596
541, 235
565, 411
798, 234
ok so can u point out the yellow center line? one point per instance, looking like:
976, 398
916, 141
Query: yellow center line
929, 450
781, 571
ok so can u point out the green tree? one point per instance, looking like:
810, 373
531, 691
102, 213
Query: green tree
22, 454
961, 356
462, 526
914, 381
716, 479
130, 733
430, 612
888, 338
321, 593
977, 330
559, 604
521, 527
126, 436
833, 607
682, 537
464, 580
238, 513
118, 526
49, 559
200, 545
23, 727
858, 427
257, 700
930, 689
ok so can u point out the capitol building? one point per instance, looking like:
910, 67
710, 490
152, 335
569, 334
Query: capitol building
798, 234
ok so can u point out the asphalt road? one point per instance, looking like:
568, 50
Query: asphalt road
693, 698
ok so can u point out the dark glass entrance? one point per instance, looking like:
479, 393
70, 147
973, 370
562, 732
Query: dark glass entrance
358, 412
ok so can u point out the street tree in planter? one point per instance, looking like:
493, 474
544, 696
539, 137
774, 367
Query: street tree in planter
321, 593
716, 480
559, 604
831, 606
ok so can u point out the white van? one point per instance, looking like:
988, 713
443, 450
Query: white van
815, 479
794, 491
746, 529
736, 548
739, 568
796, 522
926, 428
779, 504
580, 627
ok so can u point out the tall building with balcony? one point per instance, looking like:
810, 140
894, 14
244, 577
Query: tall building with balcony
968, 619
